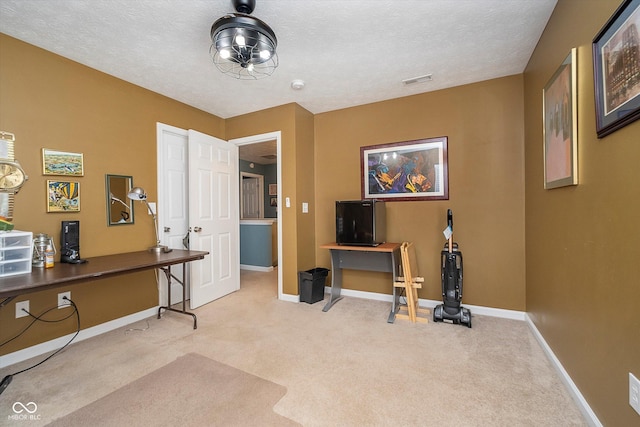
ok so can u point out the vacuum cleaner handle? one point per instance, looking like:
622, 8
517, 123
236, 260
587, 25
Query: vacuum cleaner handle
450, 224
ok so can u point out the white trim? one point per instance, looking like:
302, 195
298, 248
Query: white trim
255, 268
475, 309
289, 298
584, 407
55, 344
265, 221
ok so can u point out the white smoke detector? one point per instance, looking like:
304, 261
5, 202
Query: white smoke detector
297, 84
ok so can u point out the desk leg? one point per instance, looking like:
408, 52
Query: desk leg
395, 303
336, 281
167, 272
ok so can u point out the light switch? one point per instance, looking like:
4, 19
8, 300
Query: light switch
305, 207
287, 202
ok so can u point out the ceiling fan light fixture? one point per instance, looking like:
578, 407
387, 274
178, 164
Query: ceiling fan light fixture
243, 46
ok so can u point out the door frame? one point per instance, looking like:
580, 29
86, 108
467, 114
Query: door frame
264, 137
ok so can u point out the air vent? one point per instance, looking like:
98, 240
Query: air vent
419, 79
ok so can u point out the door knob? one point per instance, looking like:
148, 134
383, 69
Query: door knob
197, 229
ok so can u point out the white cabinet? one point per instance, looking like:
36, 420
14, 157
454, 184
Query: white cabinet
16, 250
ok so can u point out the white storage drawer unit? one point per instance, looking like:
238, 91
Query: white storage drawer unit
16, 251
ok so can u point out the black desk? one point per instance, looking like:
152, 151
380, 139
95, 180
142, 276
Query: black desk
384, 258
99, 268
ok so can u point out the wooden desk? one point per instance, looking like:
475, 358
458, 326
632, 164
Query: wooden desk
99, 268
384, 258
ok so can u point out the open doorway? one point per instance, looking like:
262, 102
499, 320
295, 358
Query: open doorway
255, 152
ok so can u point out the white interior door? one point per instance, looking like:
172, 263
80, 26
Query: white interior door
173, 190
252, 195
214, 217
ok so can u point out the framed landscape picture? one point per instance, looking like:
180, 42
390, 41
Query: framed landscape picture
62, 163
401, 171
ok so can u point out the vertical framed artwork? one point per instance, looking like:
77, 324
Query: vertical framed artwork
63, 196
560, 126
62, 163
616, 69
409, 170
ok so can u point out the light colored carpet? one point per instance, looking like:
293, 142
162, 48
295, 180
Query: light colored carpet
193, 388
345, 367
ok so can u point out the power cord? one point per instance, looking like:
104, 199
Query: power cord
7, 379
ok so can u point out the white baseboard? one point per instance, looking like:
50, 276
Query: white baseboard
475, 309
256, 268
289, 298
53, 345
590, 416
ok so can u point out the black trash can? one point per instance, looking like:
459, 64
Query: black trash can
311, 284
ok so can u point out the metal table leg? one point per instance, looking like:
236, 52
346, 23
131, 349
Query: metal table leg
167, 272
336, 280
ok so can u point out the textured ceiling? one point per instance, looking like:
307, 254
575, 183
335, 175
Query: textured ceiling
348, 52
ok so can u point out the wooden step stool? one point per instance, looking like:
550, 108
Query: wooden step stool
411, 283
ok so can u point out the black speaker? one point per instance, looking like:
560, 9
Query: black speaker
70, 242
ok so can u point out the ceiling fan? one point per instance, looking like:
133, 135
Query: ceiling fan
243, 46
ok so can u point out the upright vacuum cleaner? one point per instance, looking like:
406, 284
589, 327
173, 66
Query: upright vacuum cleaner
451, 282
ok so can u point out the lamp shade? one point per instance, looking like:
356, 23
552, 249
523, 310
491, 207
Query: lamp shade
137, 193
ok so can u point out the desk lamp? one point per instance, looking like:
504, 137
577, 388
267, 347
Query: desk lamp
138, 193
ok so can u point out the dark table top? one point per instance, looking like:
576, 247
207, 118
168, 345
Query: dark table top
95, 268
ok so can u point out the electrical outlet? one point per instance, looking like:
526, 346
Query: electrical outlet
634, 392
19, 306
62, 303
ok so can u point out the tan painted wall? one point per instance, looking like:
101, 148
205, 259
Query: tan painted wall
583, 273
483, 123
51, 102
305, 189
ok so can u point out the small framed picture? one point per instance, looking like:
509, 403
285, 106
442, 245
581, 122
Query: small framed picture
273, 201
273, 189
63, 196
62, 163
